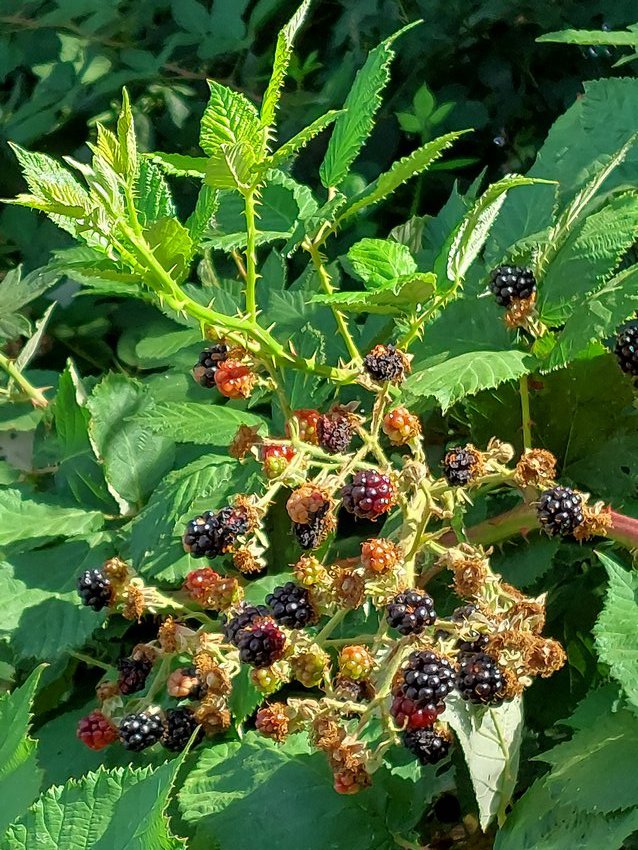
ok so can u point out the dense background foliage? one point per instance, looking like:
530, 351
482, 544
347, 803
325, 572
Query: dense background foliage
474, 64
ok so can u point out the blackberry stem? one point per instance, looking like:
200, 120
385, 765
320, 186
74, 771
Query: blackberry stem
35, 395
527, 422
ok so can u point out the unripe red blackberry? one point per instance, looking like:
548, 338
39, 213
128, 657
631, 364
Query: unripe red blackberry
291, 606
133, 673
234, 379
275, 460
139, 731
560, 511
428, 745
307, 422
208, 363
355, 662
409, 714
215, 532
261, 644
512, 283
211, 590
379, 555
626, 349
272, 721
480, 679
460, 466
96, 731
401, 426
245, 617
410, 612
335, 432
426, 678
95, 589
386, 363
369, 495
179, 725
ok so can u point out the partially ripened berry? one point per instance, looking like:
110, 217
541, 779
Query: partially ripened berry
369, 495
460, 466
401, 426
234, 379
426, 678
244, 618
386, 363
95, 589
275, 460
133, 673
310, 572
307, 420
512, 283
96, 731
409, 714
211, 590
311, 535
560, 511
139, 731
184, 683
480, 679
355, 662
379, 555
261, 644
215, 532
626, 349
428, 745
306, 503
335, 432
310, 667
291, 607
179, 725
272, 721
208, 363
266, 679
410, 612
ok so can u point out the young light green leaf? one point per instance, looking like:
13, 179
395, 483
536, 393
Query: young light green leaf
204, 424
615, 631
180, 165
172, 246
283, 53
402, 170
292, 147
126, 138
231, 167
229, 118
491, 740
152, 196
354, 126
17, 291
201, 218
379, 262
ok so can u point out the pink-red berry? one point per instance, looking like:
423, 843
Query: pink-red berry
96, 731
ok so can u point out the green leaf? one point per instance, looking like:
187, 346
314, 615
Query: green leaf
20, 775
172, 246
292, 147
362, 103
179, 165
615, 631
135, 459
245, 697
126, 138
416, 162
283, 54
153, 199
120, 809
31, 346
23, 519
17, 291
468, 374
204, 424
229, 119
231, 167
202, 216
618, 38
402, 296
491, 740
379, 262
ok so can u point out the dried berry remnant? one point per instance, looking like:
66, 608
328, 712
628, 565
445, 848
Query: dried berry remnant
243, 441
481, 680
243, 619
214, 533
275, 460
353, 690
139, 731
426, 678
544, 657
261, 644
95, 589
96, 731
307, 503
116, 571
185, 683
349, 587
512, 283
179, 725
379, 555
355, 662
597, 520
307, 423
351, 780
211, 590
401, 426
133, 673
234, 379
626, 349
429, 746
213, 715
386, 363
247, 562
290, 606
560, 511
335, 431
272, 722
536, 468
369, 495
410, 612
460, 466
208, 363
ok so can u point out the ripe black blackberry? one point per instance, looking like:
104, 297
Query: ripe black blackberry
427, 678
95, 589
512, 283
215, 532
291, 607
335, 432
480, 679
386, 363
460, 466
626, 349
139, 731
428, 745
410, 612
242, 620
208, 363
560, 511
133, 673
179, 726
261, 644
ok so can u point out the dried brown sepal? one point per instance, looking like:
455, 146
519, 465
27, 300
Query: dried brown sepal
519, 312
352, 780
348, 587
544, 657
213, 715
144, 652
246, 505
134, 606
470, 568
167, 635
272, 721
212, 675
107, 690
116, 570
327, 734
498, 451
243, 441
246, 562
596, 523
513, 686
536, 468
350, 690
527, 614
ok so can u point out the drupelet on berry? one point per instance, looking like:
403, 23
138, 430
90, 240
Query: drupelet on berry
369, 495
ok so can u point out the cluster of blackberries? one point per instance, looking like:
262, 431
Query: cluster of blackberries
142, 730
410, 612
386, 363
512, 283
290, 606
215, 532
133, 673
480, 679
